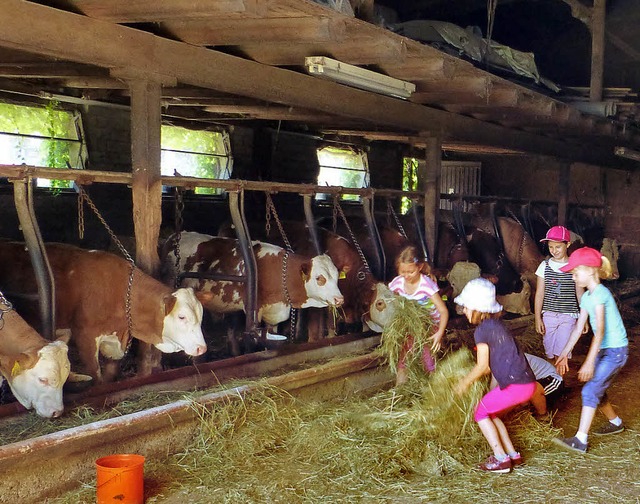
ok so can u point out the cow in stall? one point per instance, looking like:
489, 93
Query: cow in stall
285, 280
366, 300
91, 304
35, 368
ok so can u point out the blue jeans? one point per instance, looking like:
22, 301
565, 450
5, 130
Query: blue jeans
608, 362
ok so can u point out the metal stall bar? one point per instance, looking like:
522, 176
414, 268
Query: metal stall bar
374, 235
311, 223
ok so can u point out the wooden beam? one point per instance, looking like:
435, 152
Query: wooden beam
137, 11
224, 32
58, 70
431, 187
420, 68
597, 50
35, 28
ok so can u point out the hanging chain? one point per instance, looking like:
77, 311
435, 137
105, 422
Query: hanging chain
83, 196
178, 226
80, 219
365, 264
271, 211
7, 308
396, 218
285, 290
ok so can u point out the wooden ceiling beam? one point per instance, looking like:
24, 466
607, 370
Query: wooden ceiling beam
36, 29
58, 70
138, 11
225, 32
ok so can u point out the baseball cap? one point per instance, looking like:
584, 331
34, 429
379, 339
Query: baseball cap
480, 295
558, 233
585, 256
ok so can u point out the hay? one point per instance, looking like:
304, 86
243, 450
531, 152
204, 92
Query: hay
410, 319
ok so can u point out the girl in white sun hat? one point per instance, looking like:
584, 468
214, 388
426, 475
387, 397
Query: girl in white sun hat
497, 353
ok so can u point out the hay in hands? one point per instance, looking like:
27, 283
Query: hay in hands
411, 319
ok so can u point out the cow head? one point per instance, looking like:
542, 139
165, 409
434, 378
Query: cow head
181, 329
321, 283
611, 251
36, 378
382, 308
517, 302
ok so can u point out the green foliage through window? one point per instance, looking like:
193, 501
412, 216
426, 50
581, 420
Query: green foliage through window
409, 181
343, 167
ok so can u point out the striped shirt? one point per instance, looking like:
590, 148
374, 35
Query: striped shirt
559, 290
426, 289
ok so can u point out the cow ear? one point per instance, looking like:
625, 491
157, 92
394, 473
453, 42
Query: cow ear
169, 303
18, 364
77, 377
63, 335
305, 269
204, 296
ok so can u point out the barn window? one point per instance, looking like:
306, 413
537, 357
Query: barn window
42, 136
196, 153
409, 181
343, 167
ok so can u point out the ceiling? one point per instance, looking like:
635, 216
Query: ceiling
242, 62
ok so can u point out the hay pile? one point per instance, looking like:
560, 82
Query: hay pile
411, 319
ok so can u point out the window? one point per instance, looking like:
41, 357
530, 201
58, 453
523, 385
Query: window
409, 181
343, 167
196, 153
42, 136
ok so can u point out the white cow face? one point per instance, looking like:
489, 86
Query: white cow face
182, 329
321, 285
40, 386
382, 309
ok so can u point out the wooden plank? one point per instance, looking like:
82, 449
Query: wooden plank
216, 32
597, 50
58, 70
471, 85
51, 32
420, 68
431, 187
137, 11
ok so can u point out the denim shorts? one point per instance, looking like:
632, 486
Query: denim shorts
608, 362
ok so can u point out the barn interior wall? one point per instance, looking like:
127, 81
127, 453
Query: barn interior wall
385, 165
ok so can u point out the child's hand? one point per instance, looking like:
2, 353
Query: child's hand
540, 325
562, 365
436, 341
585, 373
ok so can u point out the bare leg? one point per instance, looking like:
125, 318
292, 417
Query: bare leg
608, 411
504, 435
586, 417
490, 432
539, 401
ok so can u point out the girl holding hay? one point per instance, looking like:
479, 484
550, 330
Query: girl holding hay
414, 281
556, 301
608, 351
497, 353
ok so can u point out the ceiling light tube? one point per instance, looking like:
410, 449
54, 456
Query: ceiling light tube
360, 78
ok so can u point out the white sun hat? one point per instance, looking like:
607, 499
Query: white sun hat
479, 294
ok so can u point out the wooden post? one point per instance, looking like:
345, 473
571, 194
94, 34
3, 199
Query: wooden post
429, 182
564, 179
597, 50
145, 157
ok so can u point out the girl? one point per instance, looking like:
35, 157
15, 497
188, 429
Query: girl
608, 351
557, 295
413, 282
497, 353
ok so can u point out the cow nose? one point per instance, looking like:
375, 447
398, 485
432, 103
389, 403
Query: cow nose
338, 301
56, 413
201, 349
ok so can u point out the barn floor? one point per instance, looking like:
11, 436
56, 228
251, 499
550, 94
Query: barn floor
549, 472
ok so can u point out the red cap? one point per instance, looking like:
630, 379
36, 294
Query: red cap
585, 256
558, 233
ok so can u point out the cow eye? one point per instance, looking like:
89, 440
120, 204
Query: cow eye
380, 304
321, 280
44, 381
182, 317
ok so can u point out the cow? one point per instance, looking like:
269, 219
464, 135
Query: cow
92, 304
365, 299
35, 368
284, 279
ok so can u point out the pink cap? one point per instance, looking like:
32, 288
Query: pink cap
558, 233
585, 256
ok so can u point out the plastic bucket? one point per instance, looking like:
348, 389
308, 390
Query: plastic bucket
120, 479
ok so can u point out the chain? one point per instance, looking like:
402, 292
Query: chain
287, 297
271, 210
178, 224
8, 307
83, 196
396, 218
365, 264
80, 219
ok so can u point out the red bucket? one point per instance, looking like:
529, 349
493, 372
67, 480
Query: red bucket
120, 479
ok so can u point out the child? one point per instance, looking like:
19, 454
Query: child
556, 301
414, 283
608, 351
497, 353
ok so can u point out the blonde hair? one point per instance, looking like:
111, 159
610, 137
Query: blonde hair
603, 272
409, 255
476, 317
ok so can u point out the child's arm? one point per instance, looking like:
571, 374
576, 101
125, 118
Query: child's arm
562, 363
480, 369
539, 299
444, 319
585, 373
579, 293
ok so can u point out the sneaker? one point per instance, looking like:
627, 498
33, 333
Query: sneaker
608, 428
572, 443
494, 465
516, 460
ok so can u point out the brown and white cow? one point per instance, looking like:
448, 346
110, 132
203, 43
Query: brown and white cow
90, 297
310, 281
35, 368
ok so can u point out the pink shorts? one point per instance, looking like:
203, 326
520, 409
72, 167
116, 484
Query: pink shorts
497, 400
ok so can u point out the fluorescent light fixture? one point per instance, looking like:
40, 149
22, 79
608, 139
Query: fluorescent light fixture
360, 78
627, 153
